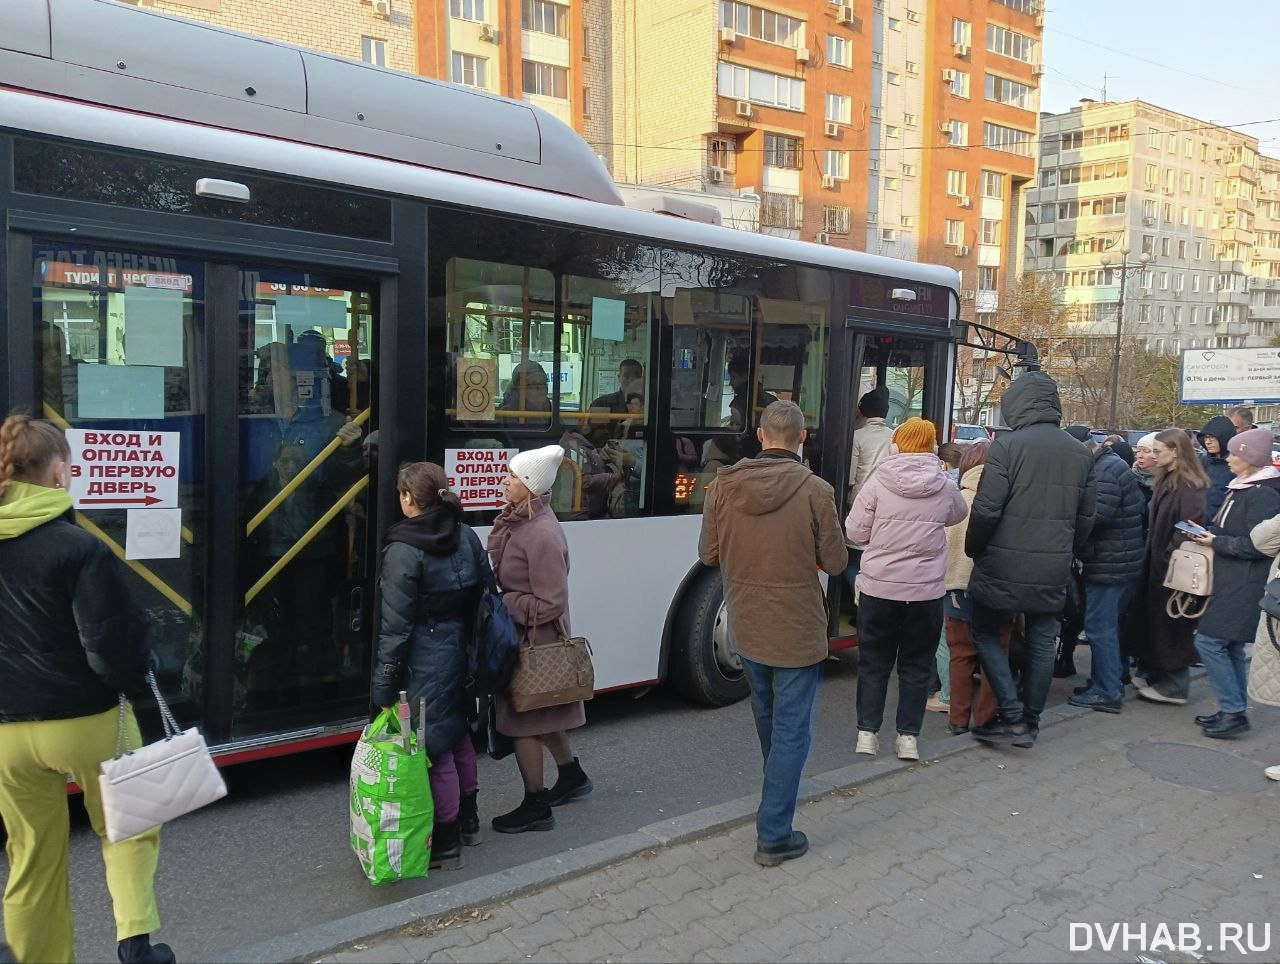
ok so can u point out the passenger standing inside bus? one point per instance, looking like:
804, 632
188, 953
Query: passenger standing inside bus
901, 516
432, 569
531, 560
70, 641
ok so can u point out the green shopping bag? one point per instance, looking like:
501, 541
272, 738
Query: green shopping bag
391, 806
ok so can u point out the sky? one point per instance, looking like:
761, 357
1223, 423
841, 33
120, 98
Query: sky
1214, 61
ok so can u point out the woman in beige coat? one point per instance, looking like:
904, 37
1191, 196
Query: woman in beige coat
1264, 668
531, 562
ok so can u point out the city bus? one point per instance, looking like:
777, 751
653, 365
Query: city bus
252, 280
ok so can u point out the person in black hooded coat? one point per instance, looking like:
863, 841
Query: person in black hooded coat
433, 568
1215, 435
1031, 516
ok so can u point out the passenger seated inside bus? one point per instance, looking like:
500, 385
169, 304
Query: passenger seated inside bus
603, 464
630, 382
633, 424
526, 392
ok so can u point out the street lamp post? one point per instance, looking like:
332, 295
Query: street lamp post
1124, 268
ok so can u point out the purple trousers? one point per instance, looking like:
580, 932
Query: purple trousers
453, 773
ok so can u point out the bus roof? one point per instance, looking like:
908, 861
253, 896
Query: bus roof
171, 67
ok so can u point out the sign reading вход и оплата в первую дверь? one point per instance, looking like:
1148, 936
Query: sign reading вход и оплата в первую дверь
1229, 375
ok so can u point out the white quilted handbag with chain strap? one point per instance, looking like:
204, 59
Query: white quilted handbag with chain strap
146, 787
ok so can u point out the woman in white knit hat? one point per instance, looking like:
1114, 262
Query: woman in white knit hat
531, 562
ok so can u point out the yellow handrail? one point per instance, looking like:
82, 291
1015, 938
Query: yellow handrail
156, 582
301, 477
305, 540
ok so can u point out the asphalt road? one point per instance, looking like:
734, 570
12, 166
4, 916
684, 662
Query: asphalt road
274, 856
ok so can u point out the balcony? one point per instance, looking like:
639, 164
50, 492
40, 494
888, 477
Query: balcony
1233, 297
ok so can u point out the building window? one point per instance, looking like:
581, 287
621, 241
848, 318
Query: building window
545, 80
908, 170
913, 16
895, 24
467, 9
988, 231
957, 183
913, 68
1049, 177
958, 133
1173, 143
888, 234
961, 31
1010, 139
839, 51
1010, 43
760, 24
722, 152
761, 87
836, 164
992, 184
469, 70
783, 151
586, 42
373, 51
839, 108
960, 83
780, 211
891, 130
836, 219
540, 16
891, 184
586, 101
910, 120
895, 79
1153, 176
1182, 255
988, 279
1002, 90
954, 232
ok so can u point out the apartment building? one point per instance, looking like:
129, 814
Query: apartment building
1192, 199
381, 32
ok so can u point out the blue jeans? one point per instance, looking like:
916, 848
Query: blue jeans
1227, 669
784, 700
1042, 629
1102, 606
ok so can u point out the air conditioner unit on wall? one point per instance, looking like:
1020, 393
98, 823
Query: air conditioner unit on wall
716, 175
828, 181
831, 129
728, 35
824, 238
802, 55
961, 50
962, 250
964, 201
948, 74
743, 108
1037, 70
381, 8
844, 14
489, 33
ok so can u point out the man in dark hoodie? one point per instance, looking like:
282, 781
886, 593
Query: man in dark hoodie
1215, 435
1031, 515
770, 524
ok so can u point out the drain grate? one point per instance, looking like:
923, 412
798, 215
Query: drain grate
1196, 766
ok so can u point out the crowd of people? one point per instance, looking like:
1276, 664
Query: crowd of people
965, 559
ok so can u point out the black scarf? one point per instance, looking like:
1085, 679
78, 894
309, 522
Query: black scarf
435, 531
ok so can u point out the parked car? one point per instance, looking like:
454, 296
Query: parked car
965, 434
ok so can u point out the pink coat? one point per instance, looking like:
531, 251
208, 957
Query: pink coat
901, 515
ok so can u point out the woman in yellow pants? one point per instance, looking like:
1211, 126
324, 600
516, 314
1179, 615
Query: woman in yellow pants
70, 641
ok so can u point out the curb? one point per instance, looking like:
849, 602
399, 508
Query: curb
316, 941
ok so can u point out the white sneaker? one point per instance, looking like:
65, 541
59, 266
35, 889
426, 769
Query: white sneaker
868, 743
905, 747
1273, 773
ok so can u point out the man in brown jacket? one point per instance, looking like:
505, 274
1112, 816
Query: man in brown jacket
770, 524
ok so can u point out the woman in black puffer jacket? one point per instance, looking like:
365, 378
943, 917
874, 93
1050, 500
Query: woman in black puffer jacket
433, 568
70, 642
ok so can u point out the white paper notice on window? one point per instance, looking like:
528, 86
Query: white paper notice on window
608, 319
153, 534
153, 326
120, 391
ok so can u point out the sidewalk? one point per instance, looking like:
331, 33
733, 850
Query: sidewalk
981, 855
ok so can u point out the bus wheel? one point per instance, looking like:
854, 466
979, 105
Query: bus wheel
705, 666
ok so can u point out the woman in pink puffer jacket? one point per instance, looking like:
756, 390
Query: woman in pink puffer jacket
900, 517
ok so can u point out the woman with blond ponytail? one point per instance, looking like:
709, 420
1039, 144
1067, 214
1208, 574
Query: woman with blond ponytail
70, 642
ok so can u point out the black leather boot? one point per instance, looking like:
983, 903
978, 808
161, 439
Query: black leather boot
140, 950
534, 813
446, 846
572, 784
469, 820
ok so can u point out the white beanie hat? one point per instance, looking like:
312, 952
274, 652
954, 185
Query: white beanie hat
1147, 441
538, 468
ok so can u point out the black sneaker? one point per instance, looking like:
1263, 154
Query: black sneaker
770, 855
1231, 724
1208, 719
446, 846
956, 729
140, 950
534, 813
1096, 701
469, 819
571, 784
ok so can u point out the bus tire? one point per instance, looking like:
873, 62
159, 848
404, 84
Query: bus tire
704, 666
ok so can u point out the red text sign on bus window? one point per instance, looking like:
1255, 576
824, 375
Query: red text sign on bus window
124, 470
476, 475
92, 276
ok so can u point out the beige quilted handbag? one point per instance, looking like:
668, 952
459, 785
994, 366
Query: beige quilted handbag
1264, 668
553, 674
144, 788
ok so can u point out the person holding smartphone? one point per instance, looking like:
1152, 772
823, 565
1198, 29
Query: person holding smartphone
1239, 577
